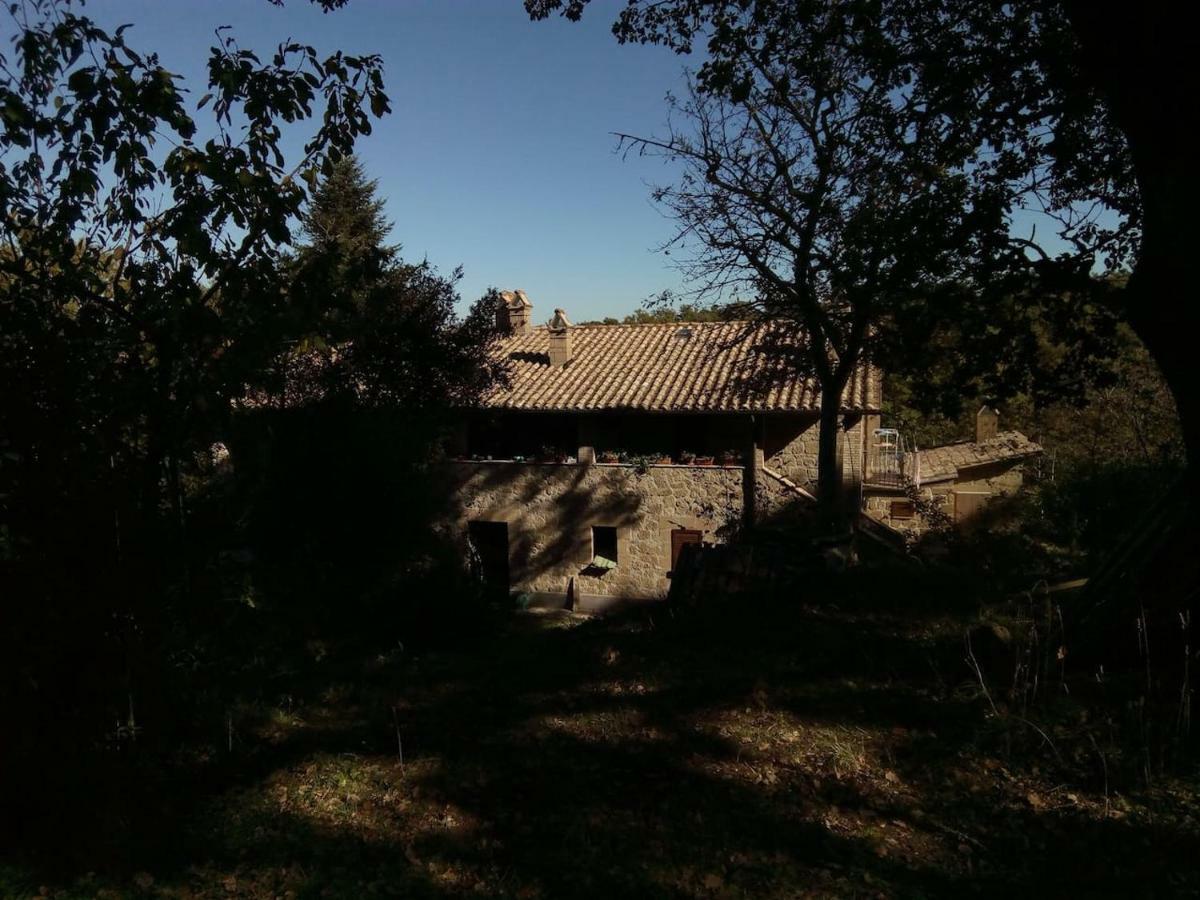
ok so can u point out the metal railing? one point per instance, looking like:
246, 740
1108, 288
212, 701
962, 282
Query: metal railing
892, 461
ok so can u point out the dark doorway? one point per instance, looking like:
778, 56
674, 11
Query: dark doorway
680, 538
489, 542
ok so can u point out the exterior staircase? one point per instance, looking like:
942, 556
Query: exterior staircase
863, 524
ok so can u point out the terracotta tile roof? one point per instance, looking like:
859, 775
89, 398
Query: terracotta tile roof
939, 463
678, 367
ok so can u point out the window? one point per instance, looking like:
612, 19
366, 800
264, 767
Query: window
903, 509
604, 546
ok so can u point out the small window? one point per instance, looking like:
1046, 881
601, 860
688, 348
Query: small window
604, 546
903, 509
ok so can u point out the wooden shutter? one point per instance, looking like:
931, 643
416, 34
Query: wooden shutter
968, 503
680, 537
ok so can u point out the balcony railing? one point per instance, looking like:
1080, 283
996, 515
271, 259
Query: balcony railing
892, 460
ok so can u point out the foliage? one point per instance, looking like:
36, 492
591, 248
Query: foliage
1110, 459
383, 332
830, 173
661, 312
140, 292
1110, 454
1013, 71
335, 461
1079, 115
345, 255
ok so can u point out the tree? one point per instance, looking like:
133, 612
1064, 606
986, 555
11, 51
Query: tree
661, 313
378, 363
346, 255
1084, 112
816, 180
1140, 63
387, 330
1081, 114
140, 291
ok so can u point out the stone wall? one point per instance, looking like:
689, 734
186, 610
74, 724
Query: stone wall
550, 510
792, 445
778, 506
991, 481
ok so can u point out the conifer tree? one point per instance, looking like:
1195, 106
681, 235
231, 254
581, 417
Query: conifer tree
346, 257
399, 339
346, 217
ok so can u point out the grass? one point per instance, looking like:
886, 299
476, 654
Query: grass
810, 751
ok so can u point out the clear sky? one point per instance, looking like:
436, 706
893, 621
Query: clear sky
498, 154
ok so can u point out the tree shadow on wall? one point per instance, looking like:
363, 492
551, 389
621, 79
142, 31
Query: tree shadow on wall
549, 509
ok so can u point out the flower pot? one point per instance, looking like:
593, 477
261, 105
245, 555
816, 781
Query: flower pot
704, 461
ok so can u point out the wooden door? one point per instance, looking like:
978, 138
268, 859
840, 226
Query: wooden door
967, 504
680, 538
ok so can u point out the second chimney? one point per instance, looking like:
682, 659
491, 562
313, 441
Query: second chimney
986, 424
514, 312
560, 339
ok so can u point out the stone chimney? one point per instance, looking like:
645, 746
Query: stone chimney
987, 421
514, 314
560, 339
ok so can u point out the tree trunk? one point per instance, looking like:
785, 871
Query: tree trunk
1141, 61
829, 461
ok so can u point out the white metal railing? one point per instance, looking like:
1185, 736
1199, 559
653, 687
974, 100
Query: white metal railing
892, 460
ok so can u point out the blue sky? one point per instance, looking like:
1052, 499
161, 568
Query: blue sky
498, 154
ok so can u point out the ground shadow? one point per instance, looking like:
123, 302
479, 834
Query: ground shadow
803, 748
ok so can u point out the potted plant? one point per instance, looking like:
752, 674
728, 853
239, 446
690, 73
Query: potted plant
641, 464
687, 457
662, 459
729, 458
704, 461
610, 456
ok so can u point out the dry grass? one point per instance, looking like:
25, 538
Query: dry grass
807, 752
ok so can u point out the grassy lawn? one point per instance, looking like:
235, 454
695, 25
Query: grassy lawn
841, 751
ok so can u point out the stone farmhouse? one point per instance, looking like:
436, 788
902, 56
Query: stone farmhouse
612, 447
